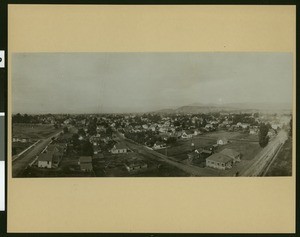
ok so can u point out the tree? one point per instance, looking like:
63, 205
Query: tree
81, 132
263, 135
75, 140
291, 127
86, 148
66, 130
204, 123
171, 140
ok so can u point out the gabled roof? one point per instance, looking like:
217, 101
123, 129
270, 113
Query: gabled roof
230, 152
206, 151
99, 156
45, 157
120, 146
85, 159
225, 139
86, 166
219, 157
159, 143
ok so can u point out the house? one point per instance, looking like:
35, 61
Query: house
187, 134
51, 157
222, 141
85, 163
209, 126
136, 166
159, 145
98, 156
245, 125
145, 126
219, 161
236, 156
45, 160
84, 160
119, 148
197, 132
271, 132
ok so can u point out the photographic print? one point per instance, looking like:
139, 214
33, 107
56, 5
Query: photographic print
182, 114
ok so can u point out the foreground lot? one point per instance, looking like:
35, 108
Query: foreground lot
33, 131
282, 165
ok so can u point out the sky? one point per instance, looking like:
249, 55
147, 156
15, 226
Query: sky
143, 82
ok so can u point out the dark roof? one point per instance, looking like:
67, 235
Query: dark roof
86, 166
193, 154
52, 148
45, 157
230, 152
223, 139
99, 155
219, 157
206, 151
85, 159
120, 146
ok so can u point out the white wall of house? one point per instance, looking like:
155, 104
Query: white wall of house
221, 142
218, 165
45, 164
117, 151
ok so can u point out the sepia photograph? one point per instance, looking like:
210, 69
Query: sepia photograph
183, 114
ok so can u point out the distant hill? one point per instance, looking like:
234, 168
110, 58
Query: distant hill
231, 107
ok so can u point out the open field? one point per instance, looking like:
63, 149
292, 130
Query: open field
182, 147
32, 131
19, 147
231, 135
282, 165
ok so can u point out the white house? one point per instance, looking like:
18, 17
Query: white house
119, 148
187, 134
45, 160
159, 145
222, 141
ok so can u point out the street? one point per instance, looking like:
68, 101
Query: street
23, 161
263, 158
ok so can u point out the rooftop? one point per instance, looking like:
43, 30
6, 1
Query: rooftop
230, 152
45, 157
219, 157
120, 146
85, 159
87, 166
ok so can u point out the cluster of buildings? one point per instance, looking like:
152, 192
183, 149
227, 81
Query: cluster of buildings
222, 160
51, 156
158, 129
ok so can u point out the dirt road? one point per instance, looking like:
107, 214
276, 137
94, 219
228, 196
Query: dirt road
263, 159
23, 161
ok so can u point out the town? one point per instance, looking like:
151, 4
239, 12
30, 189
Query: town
154, 144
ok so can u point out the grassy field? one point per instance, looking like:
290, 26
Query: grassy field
33, 131
19, 147
282, 165
182, 147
